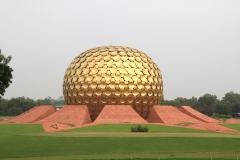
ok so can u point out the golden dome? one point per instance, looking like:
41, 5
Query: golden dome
113, 75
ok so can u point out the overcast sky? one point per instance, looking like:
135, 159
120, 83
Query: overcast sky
196, 44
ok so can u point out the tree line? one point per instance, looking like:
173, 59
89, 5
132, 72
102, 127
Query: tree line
16, 106
209, 104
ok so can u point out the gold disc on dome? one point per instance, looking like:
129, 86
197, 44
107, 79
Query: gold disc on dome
113, 75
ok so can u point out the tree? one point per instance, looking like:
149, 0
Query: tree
179, 101
41, 102
5, 73
20, 103
207, 104
234, 99
3, 107
223, 107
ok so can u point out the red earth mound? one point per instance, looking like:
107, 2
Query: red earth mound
169, 115
119, 114
233, 121
34, 114
70, 114
197, 115
211, 127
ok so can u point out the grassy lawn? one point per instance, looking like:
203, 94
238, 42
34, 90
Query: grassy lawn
233, 126
126, 128
28, 141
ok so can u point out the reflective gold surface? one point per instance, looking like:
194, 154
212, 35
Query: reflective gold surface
113, 75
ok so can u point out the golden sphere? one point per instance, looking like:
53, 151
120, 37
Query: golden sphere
113, 75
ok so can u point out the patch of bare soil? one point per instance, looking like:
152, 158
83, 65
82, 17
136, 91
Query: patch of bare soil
211, 127
55, 127
232, 121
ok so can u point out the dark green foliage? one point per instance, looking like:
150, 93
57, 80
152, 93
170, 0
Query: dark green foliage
220, 116
18, 105
179, 101
223, 107
56, 102
209, 104
234, 99
5, 73
139, 128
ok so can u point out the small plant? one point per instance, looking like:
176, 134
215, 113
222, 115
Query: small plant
139, 128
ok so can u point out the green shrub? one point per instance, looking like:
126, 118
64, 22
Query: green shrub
219, 116
139, 128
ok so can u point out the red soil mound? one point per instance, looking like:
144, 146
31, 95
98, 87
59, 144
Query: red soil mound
197, 115
233, 121
119, 114
34, 114
169, 115
211, 127
70, 115
173, 116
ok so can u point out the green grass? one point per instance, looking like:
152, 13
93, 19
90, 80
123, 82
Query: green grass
127, 128
15, 129
30, 146
28, 141
233, 126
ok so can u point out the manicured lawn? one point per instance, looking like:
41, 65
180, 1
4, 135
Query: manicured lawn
32, 146
127, 128
27, 141
233, 126
14, 129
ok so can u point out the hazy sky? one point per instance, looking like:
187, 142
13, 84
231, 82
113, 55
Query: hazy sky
196, 44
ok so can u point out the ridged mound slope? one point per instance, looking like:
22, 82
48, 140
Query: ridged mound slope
34, 114
119, 114
70, 114
197, 115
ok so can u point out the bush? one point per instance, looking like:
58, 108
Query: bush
139, 128
219, 116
